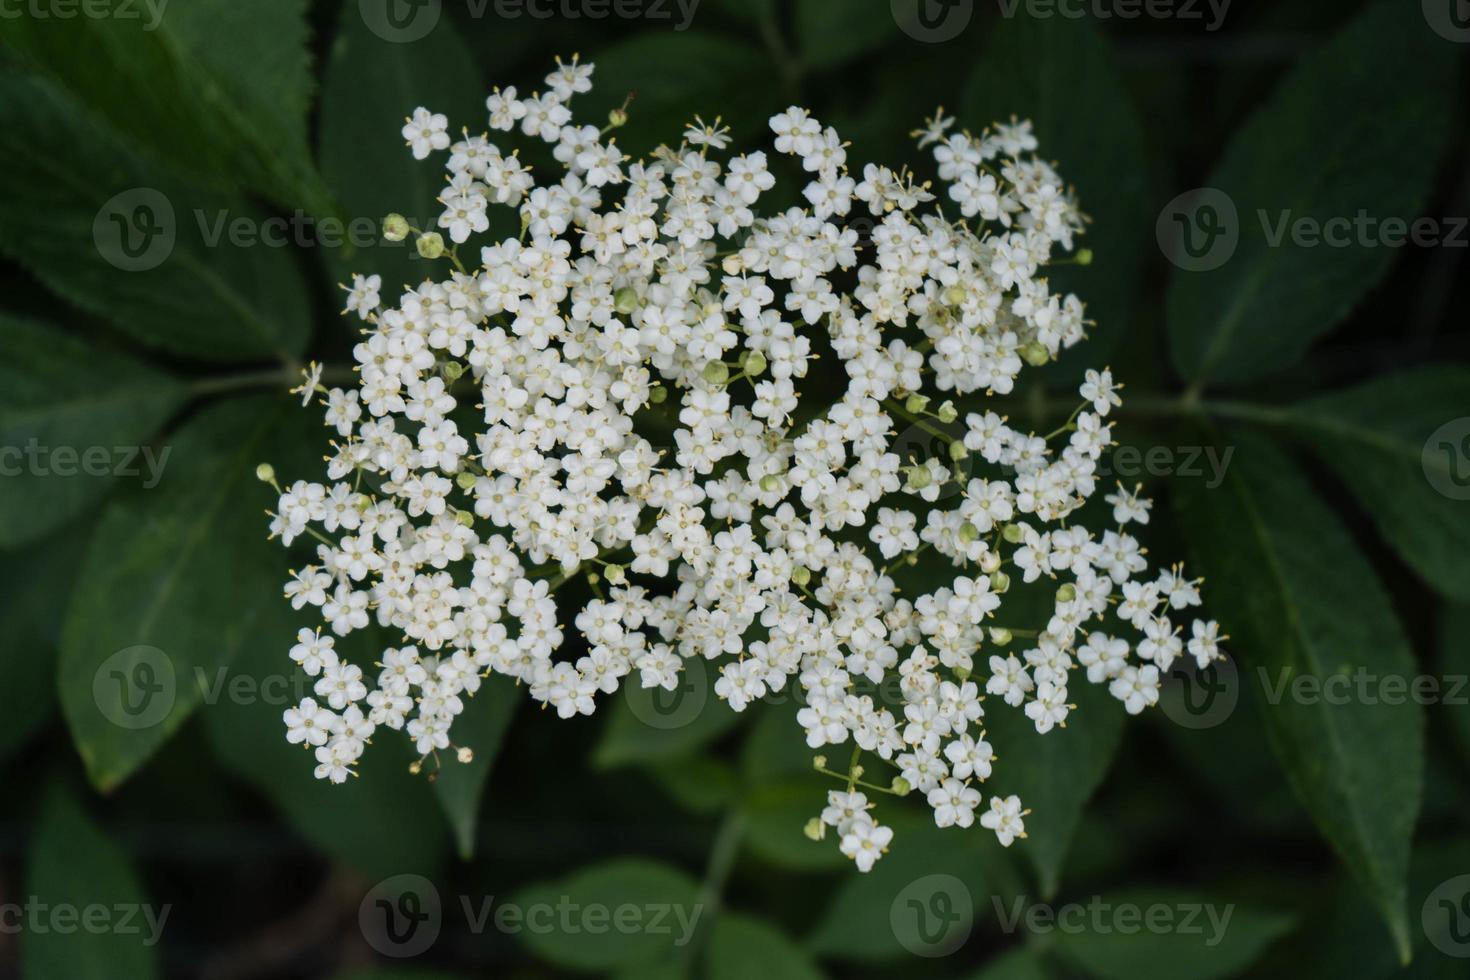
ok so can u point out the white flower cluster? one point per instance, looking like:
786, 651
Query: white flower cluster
614, 395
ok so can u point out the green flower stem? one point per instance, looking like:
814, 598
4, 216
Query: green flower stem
267, 378
716, 873
897, 409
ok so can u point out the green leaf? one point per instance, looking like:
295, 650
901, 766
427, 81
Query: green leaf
1018, 964
1303, 606
405, 835
75, 868
217, 88
776, 815
481, 727
774, 748
741, 947
1062, 75
128, 243
654, 725
369, 87
1258, 309
829, 34
173, 582
697, 783
1454, 661
750, 11
31, 606
1054, 774
656, 904
1168, 933
1402, 445
72, 416
885, 914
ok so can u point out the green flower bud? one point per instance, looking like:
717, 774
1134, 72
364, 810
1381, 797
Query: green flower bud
467, 518
1000, 582
395, 227
801, 575
915, 404
466, 480
452, 371
900, 786
957, 451
265, 473
754, 364
962, 672
947, 412
1084, 257
919, 477
1067, 593
615, 574
625, 300
1014, 533
954, 295
716, 372
989, 562
770, 483
465, 755
431, 246
1034, 354
814, 829
968, 532
657, 395
1000, 635
617, 118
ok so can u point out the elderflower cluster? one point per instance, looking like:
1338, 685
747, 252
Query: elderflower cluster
613, 395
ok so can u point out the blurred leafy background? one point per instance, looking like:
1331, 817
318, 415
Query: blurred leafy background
1336, 542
